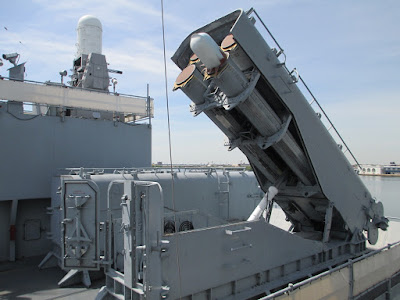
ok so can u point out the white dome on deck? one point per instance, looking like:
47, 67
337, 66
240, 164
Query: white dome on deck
90, 32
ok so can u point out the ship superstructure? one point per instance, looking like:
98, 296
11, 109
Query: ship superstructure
50, 126
198, 233
233, 76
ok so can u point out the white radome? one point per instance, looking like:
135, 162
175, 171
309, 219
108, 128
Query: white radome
89, 32
206, 50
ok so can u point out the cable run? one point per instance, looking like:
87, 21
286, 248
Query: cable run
170, 149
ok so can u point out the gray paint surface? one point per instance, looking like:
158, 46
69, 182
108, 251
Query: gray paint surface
337, 179
37, 148
306, 200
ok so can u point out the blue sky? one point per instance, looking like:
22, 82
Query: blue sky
347, 51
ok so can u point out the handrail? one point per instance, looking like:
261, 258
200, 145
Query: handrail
329, 120
50, 83
177, 169
350, 262
252, 10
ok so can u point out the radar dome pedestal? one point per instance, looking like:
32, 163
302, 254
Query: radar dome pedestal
89, 31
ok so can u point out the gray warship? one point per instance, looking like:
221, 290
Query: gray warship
189, 233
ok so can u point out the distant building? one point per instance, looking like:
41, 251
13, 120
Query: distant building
371, 170
392, 168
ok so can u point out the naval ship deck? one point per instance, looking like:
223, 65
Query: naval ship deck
24, 280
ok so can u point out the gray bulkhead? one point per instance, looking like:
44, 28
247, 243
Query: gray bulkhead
199, 198
37, 147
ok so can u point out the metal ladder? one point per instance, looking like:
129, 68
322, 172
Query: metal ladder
223, 193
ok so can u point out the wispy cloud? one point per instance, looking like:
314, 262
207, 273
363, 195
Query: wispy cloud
343, 49
123, 14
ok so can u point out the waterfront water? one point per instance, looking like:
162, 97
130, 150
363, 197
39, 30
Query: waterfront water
386, 190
